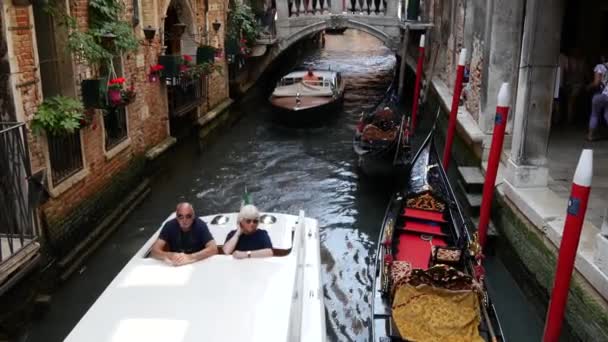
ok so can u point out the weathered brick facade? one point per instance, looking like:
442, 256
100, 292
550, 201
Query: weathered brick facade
147, 116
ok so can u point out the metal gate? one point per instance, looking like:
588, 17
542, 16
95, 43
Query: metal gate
18, 225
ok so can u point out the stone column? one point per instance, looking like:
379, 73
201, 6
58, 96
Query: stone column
527, 166
403, 64
501, 56
283, 10
335, 6
392, 8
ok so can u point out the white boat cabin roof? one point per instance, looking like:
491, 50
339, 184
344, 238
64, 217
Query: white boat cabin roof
216, 299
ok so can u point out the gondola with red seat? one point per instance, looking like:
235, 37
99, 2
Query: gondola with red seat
428, 284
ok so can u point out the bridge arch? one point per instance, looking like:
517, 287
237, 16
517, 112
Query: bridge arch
388, 40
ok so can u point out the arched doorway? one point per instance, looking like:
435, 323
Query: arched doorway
184, 95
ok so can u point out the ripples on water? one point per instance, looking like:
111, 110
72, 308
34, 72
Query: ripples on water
313, 169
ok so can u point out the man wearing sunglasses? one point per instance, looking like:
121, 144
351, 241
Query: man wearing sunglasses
184, 239
247, 241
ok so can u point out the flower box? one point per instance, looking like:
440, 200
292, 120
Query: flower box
205, 54
171, 65
94, 92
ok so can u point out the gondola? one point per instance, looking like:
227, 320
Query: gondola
429, 283
382, 141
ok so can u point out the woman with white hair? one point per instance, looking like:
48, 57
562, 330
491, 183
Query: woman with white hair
247, 241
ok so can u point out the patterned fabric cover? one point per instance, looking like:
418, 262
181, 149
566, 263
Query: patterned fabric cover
446, 255
400, 274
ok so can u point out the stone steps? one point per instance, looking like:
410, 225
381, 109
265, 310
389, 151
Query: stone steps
470, 183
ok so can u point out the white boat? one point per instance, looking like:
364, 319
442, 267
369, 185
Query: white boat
222, 299
299, 100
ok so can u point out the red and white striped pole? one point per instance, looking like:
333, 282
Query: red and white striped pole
575, 215
454, 111
498, 136
417, 84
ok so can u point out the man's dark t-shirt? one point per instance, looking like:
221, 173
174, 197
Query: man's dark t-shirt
251, 242
188, 242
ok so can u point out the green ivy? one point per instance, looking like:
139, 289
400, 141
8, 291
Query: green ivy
242, 23
58, 115
103, 19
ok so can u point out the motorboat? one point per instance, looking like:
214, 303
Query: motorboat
382, 140
299, 98
279, 298
429, 283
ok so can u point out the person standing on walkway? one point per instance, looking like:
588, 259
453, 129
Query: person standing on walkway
599, 102
184, 239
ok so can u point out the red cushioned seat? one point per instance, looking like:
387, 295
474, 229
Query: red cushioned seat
423, 228
416, 251
424, 215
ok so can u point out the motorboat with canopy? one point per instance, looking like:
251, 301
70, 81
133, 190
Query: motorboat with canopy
279, 298
298, 98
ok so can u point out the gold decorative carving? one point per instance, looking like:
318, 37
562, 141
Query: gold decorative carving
426, 201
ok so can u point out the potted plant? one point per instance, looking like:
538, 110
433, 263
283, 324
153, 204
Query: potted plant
107, 35
155, 72
115, 91
205, 54
186, 63
128, 95
94, 92
58, 115
170, 65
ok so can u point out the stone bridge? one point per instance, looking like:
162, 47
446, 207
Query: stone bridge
297, 19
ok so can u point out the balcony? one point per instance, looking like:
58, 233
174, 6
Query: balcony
19, 194
185, 94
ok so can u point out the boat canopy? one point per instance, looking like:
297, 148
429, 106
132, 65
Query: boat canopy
219, 298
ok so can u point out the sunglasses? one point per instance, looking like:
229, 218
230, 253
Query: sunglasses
181, 217
248, 221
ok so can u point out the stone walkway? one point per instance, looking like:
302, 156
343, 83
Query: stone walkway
565, 147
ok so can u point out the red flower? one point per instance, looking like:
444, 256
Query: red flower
187, 58
156, 68
117, 80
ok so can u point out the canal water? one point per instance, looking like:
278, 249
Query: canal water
285, 169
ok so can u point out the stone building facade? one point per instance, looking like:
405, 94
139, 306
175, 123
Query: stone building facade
520, 42
89, 172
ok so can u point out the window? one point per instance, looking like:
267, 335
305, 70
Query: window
115, 126
54, 58
65, 156
114, 118
57, 78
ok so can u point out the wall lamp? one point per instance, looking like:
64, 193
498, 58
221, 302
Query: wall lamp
149, 33
216, 26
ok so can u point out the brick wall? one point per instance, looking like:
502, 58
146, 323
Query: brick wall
147, 116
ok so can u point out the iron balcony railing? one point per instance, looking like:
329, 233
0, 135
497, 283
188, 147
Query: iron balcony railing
185, 94
18, 224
